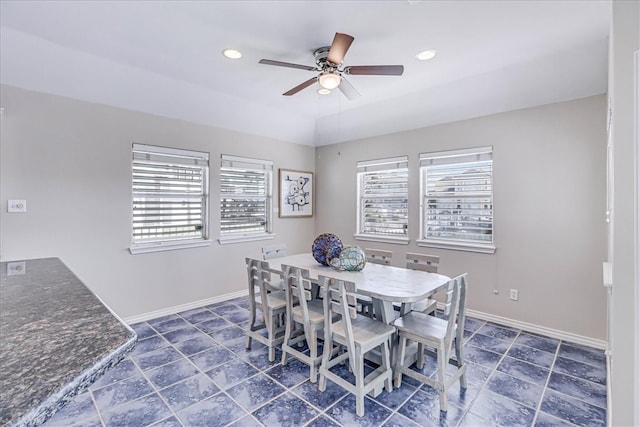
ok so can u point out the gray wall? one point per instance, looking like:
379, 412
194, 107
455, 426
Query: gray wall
71, 161
549, 201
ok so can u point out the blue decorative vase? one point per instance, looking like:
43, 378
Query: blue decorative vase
325, 247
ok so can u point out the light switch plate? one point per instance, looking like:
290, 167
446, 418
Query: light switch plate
16, 206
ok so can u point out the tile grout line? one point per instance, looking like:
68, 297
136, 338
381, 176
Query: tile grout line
239, 356
546, 384
483, 387
484, 383
221, 390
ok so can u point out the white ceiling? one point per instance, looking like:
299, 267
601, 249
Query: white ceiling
164, 58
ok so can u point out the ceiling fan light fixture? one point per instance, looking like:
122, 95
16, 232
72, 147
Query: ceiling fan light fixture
232, 54
329, 80
324, 91
426, 55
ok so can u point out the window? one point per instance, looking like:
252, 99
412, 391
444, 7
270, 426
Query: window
170, 198
245, 199
383, 200
457, 199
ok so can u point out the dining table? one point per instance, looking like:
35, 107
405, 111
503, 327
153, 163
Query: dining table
384, 284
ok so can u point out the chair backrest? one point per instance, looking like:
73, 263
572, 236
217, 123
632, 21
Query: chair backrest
274, 251
423, 262
339, 298
452, 309
298, 289
259, 277
378, 256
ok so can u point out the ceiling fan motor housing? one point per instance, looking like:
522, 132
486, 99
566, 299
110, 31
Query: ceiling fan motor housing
321, 59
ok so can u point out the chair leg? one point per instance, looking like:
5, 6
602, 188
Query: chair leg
420, 356
324, 365
269, 322
386, 364
442, 380
287, 338
252, 322
460, 359
400, 362
313, 354
359, 374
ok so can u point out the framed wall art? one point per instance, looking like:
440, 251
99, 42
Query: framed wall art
296, 193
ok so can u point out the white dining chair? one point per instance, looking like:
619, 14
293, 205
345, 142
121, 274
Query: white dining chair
378, 256
274, 251
359, 335
272, 304
439, 334
374, 256
304, 319
429, 264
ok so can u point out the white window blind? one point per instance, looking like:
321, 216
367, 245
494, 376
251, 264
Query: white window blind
457, 191
170, 194
383, 197
245, 196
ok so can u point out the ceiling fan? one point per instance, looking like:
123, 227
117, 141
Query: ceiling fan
331, 70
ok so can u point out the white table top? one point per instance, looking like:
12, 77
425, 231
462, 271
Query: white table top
383, 282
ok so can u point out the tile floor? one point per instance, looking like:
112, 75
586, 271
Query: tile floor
192, 369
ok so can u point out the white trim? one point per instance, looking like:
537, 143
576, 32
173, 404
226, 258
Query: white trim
636, 248
226, 240
467, 247
541, 330
144, 148
230, 158
382, 239
529, 327
362, 165
183, 307
456, 156
167, 246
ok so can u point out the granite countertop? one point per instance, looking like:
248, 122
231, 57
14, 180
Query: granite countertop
56, 338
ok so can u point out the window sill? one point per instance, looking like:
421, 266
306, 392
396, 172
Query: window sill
167, 246
456, 246
382, 239
226, 240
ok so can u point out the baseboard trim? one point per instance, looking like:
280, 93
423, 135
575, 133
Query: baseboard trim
529, 327
542, 330
183, 307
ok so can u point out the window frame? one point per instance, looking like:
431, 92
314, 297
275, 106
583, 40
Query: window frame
370, 167
238, 163
170, 156
451, 158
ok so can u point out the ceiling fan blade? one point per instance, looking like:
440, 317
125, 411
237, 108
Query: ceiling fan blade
286, 64
301, 86
375, 70
348, 90
339, 47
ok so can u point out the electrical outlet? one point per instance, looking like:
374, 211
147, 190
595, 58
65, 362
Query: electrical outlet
513, 294
16, 268
16, 206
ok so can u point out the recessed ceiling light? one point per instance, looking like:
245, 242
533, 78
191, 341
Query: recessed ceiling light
323, 91
426, 55
232, 53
